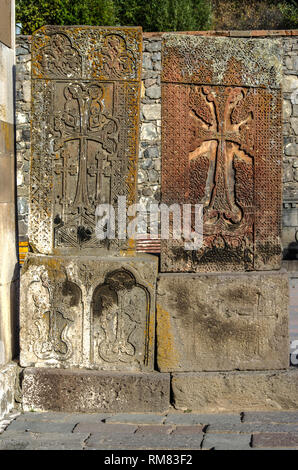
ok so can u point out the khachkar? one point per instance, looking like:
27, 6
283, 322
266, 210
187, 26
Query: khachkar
85, 302
85, 118
221, 148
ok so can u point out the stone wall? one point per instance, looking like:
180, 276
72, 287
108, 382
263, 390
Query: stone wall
290, 131
23, 105
150, 137
150, 132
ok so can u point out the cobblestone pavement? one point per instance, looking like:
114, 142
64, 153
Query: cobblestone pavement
172, 431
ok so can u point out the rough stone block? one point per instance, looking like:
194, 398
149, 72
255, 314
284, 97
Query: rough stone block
8, 375
94, 391
222, 148
227, 442
222, 321
86, 311
213, 392
17, 440
136, 419
272, 440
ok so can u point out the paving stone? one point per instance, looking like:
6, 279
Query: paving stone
193, 418
11, 440
270, 417
227, 441
57, 417
41, 426
136, 418
188, 430
154, 429
249, 428
162, 442
104, 428
275, 440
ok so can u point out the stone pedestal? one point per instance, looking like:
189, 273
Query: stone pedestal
93, 391
218, 322
218, 392
88, 311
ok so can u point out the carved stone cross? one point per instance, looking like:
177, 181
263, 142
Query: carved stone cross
219, 134
84, 121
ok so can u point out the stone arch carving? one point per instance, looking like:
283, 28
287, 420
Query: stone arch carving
55, 302
120, 322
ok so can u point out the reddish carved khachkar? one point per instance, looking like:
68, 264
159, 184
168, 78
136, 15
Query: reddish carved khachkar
221, 147
85, 120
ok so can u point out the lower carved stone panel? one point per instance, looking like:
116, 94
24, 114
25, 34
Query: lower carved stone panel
219, 322
213, 392
92, 312
94, 391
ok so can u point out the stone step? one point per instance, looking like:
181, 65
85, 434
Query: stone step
91, 391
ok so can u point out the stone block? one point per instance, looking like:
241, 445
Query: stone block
219, 392
227, 442
222, 148
136, 418
41, 441
274, 440
85, 127
94, 391
217, 322
146, 442
88, 311
8, 377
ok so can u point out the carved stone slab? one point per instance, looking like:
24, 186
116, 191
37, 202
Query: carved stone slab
221, 147
85, 120
218, 322
86, 311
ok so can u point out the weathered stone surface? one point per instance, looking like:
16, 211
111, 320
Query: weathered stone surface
191, 419
279, 440
46, 441
226, 441
249, 428
94, 391
157, 441
8, 375
221, 147
85, 117
136, 418
269, 417
210, 392
222, 321
104, 428
88, 311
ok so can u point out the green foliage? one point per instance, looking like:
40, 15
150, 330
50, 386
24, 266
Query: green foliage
176, 15
33, 14
152, 15
289, 11
255, 14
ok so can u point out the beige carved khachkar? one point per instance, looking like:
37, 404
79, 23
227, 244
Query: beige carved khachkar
85, 118
85, 302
